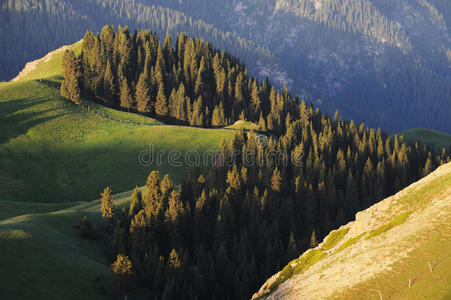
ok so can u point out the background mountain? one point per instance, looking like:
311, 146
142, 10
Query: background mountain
31, 28
383, 62
386, 63
399, 249
56, 151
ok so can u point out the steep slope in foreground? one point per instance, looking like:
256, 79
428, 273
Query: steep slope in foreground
404, 239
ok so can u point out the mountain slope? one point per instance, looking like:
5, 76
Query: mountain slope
31, 28
385, 63
62, 264
433, 138
55, 151
389, 244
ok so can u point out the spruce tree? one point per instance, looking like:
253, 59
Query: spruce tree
181, 110
276, 180
292, 249
109, 84
122, 271
313, 241
125, 95
197, 118
218, 119
161, 104
233, 178
107, 204
352, 195
142, 96
427, 166
136, 202
71, 85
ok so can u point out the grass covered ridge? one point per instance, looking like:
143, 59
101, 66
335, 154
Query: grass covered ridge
434, 138
53, 151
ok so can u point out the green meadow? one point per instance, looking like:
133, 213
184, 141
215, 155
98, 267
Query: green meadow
56, 157
427, 136
54, 151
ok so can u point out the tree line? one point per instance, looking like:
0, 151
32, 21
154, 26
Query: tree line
221, 233
187, 82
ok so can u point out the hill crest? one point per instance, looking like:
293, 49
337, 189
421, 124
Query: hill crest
33, 65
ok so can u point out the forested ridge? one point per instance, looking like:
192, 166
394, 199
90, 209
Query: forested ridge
323, 50
221, 233
190, 83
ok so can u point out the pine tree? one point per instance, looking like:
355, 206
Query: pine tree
427, 166
172, 103
136, 202
197, 118
71, 86
276, 180
352, 196
313, 241
142, 96
218, 119
161, 104
233, 178
122, 271
181, 106
107, 204
262, 123
174, 260
152, 197
109, 84
200, 87
292, 250
125, 96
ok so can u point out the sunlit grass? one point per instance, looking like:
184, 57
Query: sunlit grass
333, 238
55, 151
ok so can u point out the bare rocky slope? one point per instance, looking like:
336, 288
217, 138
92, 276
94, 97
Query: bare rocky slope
396, 249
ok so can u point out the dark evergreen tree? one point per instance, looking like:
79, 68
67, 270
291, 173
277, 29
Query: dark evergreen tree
71, 85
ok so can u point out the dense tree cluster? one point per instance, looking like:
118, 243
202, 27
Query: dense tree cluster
189, 83
336, 48
220, 234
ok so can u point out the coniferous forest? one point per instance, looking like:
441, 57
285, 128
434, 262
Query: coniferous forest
223, 231
326, 51
245, 149
192, 83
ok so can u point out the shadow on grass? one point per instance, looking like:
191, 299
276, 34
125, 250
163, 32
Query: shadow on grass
13, 114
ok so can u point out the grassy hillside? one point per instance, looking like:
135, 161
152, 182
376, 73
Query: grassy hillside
62, 265
55, 151
56, 155
427, 136
404, 238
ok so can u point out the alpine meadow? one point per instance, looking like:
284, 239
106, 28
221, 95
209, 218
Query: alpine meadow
225, 150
